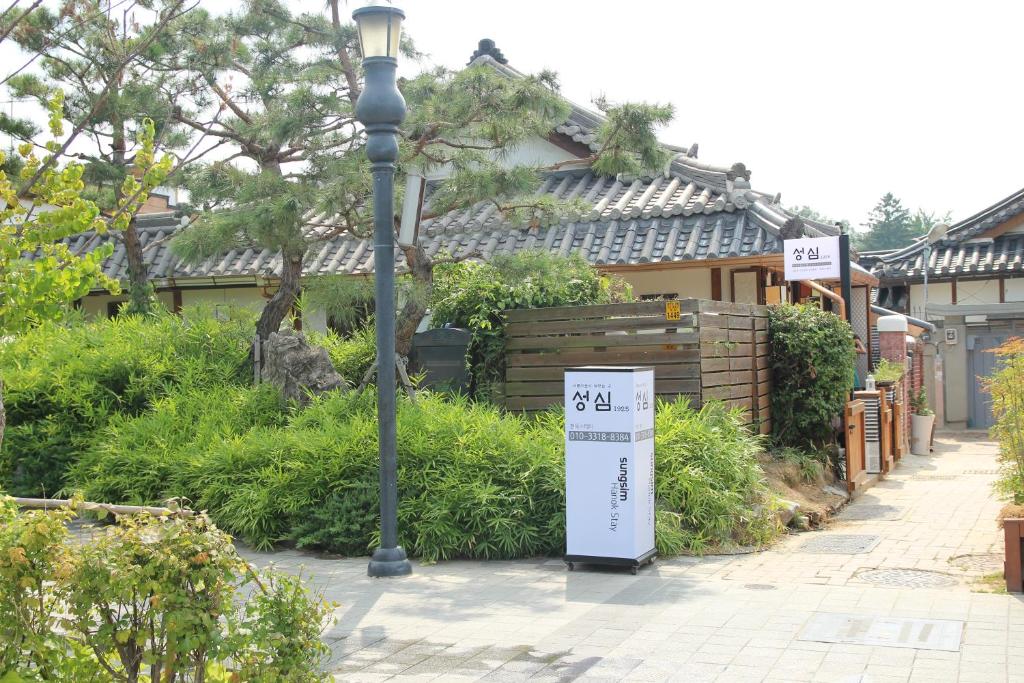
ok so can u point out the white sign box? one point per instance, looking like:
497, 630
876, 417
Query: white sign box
609, 465
812, 258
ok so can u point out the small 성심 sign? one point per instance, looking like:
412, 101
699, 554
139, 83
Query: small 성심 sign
812, 258
673, 311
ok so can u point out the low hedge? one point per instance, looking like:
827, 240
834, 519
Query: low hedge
62, 383
474, 481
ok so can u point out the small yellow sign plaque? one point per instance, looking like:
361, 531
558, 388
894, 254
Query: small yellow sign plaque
672, 310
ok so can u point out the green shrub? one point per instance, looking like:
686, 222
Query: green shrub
812, 360
473, 481
351, 355
149, 599
1006, 385
63, 383
473, 296
709, 485
135, 460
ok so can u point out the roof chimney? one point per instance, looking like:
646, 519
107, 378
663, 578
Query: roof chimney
487, 47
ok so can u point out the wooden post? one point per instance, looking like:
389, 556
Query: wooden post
1014, 530
755, 393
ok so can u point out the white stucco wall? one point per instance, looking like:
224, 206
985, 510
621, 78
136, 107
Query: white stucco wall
938, 293
1014, 289
95, 305
977, 291
686, 283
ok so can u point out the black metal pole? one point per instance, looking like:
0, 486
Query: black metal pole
381, 109
844, 275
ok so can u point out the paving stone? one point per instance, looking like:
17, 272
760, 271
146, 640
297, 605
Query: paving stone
907, 578
840, 544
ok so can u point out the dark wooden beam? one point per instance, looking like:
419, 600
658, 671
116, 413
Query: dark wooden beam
716, 284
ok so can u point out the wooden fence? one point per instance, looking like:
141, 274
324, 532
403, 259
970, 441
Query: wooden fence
700, 350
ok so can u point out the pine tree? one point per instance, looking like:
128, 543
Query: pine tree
285, 85
889, 226
105, 62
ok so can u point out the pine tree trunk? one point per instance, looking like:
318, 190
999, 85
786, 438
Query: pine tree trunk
139, 292
415, 307
284, 298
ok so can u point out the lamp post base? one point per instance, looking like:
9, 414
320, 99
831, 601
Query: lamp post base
387, 562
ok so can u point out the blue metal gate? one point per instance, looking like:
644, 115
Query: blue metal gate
980, 364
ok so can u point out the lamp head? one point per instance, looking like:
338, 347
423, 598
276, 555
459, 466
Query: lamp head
380, 30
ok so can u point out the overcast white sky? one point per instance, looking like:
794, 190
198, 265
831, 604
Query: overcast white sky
830, 103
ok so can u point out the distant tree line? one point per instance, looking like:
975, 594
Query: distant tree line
890, 225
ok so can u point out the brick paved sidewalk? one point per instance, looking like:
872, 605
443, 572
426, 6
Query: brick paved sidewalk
926, 533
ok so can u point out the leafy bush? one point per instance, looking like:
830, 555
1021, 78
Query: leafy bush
63, 383
708, 483
474, 295
134, 458
1006, 385
150, 599
473, 481
812, 359
351, 355
888, 371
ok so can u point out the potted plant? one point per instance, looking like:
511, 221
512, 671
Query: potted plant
887, 373
922, 419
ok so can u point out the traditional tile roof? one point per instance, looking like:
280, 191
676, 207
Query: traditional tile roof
964, 251
690, 210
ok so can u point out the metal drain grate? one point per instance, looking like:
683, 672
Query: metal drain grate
907, 578
881, 513
934, 477
980, 472
759, 586
982, 563
841, 544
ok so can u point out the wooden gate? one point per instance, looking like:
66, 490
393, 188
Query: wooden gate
700, 350
856, 472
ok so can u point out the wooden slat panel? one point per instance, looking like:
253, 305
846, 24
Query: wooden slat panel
739, 323
740, 363
556, 372
740, 335
638, 356
713, 334
608, 341
743, 404
714, 364
717, 379
725, 307
526, 329
643, 308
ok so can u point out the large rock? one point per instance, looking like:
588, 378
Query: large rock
297, 368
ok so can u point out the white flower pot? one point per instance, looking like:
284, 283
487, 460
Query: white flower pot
921, 434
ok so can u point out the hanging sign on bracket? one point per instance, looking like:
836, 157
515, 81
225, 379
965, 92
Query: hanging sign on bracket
812, 258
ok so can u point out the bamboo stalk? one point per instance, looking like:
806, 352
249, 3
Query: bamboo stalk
79, 506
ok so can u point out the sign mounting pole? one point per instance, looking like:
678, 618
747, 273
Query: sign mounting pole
844, 274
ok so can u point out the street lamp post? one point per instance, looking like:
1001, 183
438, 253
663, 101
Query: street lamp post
937, 232
381, 109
